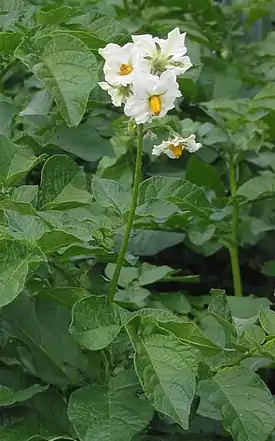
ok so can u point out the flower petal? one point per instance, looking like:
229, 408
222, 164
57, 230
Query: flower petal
145, 43
137, 109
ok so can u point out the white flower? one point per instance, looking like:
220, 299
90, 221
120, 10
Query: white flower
117, 93
160, 55
120, 63
152, 97
175, 147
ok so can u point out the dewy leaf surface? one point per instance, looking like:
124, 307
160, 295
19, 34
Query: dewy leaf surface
67, 68
166, 368
246, 404
96, 322
110, 412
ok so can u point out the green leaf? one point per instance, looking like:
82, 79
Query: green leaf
67, 296
219, 307
246, 404
184, 194
268, 349
96, 322
254, 335
23, 221
160, 315
151, 242
9, 41
54, 240
9, 396
247, 307
267, 320
99, 29
63, 184
166, 368
7, 112
110, 412
258, 187
269, 268
132, 297
45, 419
25, 193
204, 175
83, 141
39, 104
151, 273
190, 334
55, 16
174, 301
48, 351
127, 274
11, 5
15, 257
15, 161
67, 68
110, 193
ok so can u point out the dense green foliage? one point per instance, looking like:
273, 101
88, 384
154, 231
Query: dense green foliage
186, 350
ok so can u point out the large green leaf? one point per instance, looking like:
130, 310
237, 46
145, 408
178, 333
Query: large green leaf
150, 242
97, 29
54, 240
63, 184
246, 404
189, 197
257, 187
9, 396
45, 419
109, 193
47, 349
66, 66
96, 322
23, 221
11, 5
67, 296
7, 112
15, 257
204, 175
166, 368
267, 320
192, 335
9, 41
83, 141
15, 161
110, 412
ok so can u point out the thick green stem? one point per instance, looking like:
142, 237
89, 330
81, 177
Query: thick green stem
233, 248
131, 216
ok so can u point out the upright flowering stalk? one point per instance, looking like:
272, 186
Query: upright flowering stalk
142, 76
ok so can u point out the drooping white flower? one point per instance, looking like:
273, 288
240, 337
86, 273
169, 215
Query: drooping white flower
120, 63
175, 146
152, 96
159, 55
118, 93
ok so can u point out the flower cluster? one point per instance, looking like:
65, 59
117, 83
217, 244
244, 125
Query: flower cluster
143, 76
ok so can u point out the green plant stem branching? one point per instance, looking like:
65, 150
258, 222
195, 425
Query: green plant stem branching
131, 215
233, 247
